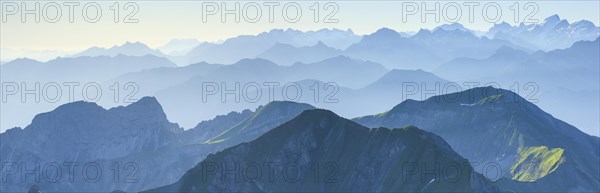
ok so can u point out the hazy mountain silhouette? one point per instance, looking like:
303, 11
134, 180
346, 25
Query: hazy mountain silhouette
80, 71
251, 75
285, 54
127, 49
178, 47
250, 46
391, 49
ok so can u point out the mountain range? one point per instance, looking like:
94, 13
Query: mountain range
128, 49
534, 76
477, 128
497, 127
430, 47
48, 83
364, 160
552, 33
138, 137
286, 54
505, 67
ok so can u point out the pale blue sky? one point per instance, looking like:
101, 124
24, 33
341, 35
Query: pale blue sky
161, 21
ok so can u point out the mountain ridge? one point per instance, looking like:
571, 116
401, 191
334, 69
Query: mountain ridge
308, 137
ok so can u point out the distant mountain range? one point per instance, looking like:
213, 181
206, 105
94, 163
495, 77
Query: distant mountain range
179, 47
128, 49
61, 72
426, 118
85, 68
552, 33
431, 47
338, 70
285, 54
507, 65
247, 46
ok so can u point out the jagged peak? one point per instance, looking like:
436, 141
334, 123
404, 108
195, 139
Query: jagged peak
451, 27
144, 101
552, 19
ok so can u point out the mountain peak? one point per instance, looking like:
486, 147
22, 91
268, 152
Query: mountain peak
320, 44
478, 95
500, 27
146, 104
385, 33
583, 24
551, 21
406, 74
338, 59
145, 101
451, 27
78, 106
316, 114
552, 18
22, 62
283, 104
254, 62
135, 45
25, 59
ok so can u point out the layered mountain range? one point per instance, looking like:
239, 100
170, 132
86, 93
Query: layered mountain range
513, 109
124, 78
464, 135
150, 150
